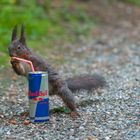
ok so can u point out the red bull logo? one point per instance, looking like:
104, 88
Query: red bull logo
38, 93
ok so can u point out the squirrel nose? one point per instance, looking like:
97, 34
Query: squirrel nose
12, 54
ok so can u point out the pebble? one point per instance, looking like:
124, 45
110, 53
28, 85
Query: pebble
81, 128
114, 114
8, 132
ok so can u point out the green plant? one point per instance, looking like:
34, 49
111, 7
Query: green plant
136, 2
43, 27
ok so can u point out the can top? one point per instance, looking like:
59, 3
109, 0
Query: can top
38, 72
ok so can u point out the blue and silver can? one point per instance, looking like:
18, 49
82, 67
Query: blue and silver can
38, 96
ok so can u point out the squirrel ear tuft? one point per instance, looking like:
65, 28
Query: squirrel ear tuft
14, 33
23, 35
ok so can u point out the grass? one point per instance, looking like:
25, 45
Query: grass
135, 2
46, 27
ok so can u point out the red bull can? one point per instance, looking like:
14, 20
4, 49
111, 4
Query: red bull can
38, 96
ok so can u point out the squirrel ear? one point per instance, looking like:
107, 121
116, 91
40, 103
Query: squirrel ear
23, 36
14, 33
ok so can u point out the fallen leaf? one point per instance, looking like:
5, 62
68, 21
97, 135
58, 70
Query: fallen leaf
26, 122
24, 114
14, 77
13, 121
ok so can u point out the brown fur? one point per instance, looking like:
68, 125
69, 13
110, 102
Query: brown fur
62, 88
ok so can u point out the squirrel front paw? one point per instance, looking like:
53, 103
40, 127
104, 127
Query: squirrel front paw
14, 62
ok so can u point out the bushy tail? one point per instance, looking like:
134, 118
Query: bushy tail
87, 82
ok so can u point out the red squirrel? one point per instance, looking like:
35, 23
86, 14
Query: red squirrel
59, 86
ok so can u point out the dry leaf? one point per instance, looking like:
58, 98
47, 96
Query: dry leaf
26, 122
24, 114
13, 121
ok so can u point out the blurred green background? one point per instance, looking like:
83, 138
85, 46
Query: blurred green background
49, 23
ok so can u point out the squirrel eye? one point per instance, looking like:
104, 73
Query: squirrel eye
18, 47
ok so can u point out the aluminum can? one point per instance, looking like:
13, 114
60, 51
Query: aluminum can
38, 96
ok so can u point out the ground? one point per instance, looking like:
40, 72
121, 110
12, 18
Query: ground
111, 113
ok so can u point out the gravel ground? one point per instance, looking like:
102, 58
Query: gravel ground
111, 113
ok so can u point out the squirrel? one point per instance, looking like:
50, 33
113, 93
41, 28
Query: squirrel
59, 86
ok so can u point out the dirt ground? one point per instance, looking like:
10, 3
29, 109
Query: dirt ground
114, 51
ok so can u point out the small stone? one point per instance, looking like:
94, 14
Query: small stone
71, 130
91, 138
71, 138
81, 128
107, 138
8, 133
1, 116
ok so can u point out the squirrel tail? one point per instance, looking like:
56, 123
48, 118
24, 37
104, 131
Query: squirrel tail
87, 82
